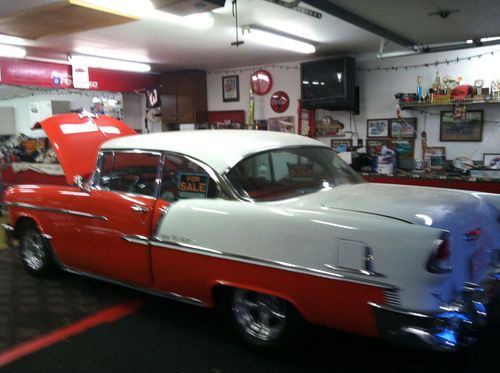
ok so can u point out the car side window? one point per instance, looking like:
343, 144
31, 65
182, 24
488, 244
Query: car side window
183, 178
130, 172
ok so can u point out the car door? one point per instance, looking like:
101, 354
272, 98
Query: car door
123, 198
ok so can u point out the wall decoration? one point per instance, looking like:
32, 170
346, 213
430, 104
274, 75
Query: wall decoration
281, 124
492, 160
280, 101
467, 128
341, 145
405, 128
377, 127
375, 146
262, 82
230, 88
329, 127
435, 158
404, 148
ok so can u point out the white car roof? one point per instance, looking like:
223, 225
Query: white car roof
220, 149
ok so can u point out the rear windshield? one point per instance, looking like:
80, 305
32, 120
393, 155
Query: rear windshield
287, 173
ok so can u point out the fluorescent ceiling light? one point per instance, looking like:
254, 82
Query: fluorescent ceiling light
107, 63
145, 9
6, 39
276, 40
113, 54
12, 51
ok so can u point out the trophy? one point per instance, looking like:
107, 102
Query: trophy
479, 85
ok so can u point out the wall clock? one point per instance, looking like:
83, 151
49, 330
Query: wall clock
280, 101
261, 82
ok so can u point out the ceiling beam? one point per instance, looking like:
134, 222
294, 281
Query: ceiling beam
345, 15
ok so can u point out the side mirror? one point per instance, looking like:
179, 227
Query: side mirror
78, 181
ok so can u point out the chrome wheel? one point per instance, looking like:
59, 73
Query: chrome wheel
259, 315
32, 250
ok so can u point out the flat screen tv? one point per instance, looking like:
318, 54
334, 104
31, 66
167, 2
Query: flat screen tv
328, 84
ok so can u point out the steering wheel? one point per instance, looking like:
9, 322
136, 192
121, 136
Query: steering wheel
130, 183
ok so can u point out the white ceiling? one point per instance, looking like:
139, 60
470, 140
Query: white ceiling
172, 47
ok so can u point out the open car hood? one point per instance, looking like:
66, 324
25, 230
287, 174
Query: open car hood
76, 139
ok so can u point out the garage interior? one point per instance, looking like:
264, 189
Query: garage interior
410, 71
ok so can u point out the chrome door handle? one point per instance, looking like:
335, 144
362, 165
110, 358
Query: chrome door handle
139, 208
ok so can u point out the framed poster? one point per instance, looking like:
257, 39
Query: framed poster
435, 158
230, 88
492, 160
377, 128
404, 148
404, 128
467, 128
341, 145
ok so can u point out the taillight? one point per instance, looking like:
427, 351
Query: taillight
440, 260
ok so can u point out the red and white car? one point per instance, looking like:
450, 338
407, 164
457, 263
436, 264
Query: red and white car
270, 226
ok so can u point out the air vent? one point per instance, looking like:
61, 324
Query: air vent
187, 7
392, 297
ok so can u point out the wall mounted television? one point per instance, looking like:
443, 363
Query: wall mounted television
329, 84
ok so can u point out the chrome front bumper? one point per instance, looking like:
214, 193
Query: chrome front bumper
453, 327
9, 234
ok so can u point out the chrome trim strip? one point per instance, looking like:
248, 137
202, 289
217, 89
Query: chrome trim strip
399, 311
56, 210
164, 294
136, 238
356, 271
194, 249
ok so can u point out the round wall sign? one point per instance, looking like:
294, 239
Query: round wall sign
280, 101
261, 82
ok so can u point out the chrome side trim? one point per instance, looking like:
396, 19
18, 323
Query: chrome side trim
356, 271
56, 210
194, 249
164, 294
136, 238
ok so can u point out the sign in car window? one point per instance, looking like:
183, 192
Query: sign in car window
301, 172
192, 185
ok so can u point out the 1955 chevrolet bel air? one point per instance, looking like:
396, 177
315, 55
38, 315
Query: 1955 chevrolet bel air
270, 226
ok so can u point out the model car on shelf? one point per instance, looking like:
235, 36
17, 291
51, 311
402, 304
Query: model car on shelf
272, 227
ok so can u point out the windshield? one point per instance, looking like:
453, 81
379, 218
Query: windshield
286, 173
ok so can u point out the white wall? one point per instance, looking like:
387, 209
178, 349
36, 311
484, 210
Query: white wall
377, 89
286, 78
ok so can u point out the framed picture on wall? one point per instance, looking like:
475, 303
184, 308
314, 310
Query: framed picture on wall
405, 128
435, 158
404, 148
377, 127
491, 160
230, 88
341, 145
469, 127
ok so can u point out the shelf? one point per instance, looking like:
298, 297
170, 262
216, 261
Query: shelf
466, 101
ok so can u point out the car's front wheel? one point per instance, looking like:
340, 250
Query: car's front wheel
262, 320
35, 254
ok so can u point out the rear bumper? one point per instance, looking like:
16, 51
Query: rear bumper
453, 327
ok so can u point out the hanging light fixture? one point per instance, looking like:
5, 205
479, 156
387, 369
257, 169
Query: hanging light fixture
108, 63
276, 39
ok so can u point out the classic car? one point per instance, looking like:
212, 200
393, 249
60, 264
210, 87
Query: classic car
272, 227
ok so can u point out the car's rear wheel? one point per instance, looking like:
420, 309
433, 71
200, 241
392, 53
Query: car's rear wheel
262, 320
35, 254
